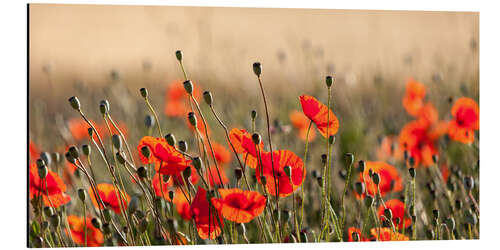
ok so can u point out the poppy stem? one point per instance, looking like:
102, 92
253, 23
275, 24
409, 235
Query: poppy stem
84, 222
344, 193
303, 173
146, 99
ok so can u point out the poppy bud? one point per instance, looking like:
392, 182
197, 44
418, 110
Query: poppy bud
197, 163
238, 173
178, 55
81, 194
368, 201
170, 139
183, 146
144, 92
388, 213
171, 195
86, 149
331, 139
48, 211
286, 215
303, 237
376, 178
90, 131
74, 152
435, 213
42, 171
40, 163
106, 228
319, 179
256, 138
349, 159
55, 221
263, 180
117, 141
186, 173
37, 241
329, 81
355, 236
188, 86
107, 214
149, 121
145, 151
120, 158
208, 97
398, 221
96, 223
435, 158
257, 68
413, 172
46, 157
104, 107
142, 172
288, 171
70, 158
74, 102
370, 172
192, 119
143, 225
324, 158
253, 114
450, 223
315, 173
362, 166
468, 183
359, 187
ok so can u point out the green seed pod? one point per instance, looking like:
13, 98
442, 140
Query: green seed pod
55, 220
171, 195
178, 55
188, 86
253, 114
331, 139
208, 98
74, 151
288, 171
82, 194
107, 214
86, 150
388, 213
349, 159
368, 201
120, 158
450, 223
359, 187
257, 68
104, 107
142, 172
74, 102
46, 158
238, 173
192, 119
197, 163
329, 81
106, 228
362, 166
303, 237
145, 151
96, 223
70, 158
435, 213
413, 172
48, 211
117, 141
183, 146
256, 139
170, 138
43, 171
468, 183
376, 178
186, 173
355, 236
144, 92
149, 121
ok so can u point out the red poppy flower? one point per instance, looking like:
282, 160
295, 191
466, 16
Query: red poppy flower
319, 114
108, 194
445, 172
397, 208
174, 180
222, 155
243, 144
386, 234
77, 227
413, 101
52, 189
465, 121
352, 230
167, 159
239, 206
419, 139
390, 180
213, 177
428, 113
208, 220
281, 159
150, 142
34, 152
79, 128
199, 125
177, 99
301, 123
389, 149
182, 204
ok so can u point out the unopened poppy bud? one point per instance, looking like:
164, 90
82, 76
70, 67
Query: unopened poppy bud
398, 221
288, 171
106, 228
359, 187
319, 179
104, 107
331, 139
170, 139
74, 102
376, 178
40, 163
370, 172
48, 211
149, 121
388, 213
56, 157
46, 157
253, 114
145, 151
117, 141
120, 158
355, 236
324, 158
70, 158
197, 163
256, 138
192, 119
468, 183
450, 223
96, 223
37, 241
362, 166
133, 205
368, 201
171, 195
142, 172
81, 194
43, 171
315, 173
187, 173
86, 149
183, 146
90, 131
263, 180
329, 81
208, 97
435, 213
413, 172
74, 151
178, 55
107, 214
435, 158
303, 237
144, 92
188, 86
349, 159
55, 221
238, 173
257, 68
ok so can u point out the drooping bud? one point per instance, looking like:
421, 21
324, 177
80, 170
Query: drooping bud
329, 81
117, 141
435, 213
187, 173
74, 151
171, 195
256, 138
104, 107
170, 138
86, 150
82, 194
388, 213
178, 55
368, 201
197, 163
149, 121
208, 97
142, 172
144, 92
107, 214
55, 220
188, 86
450, 223
257, 68
183, 146
42, 168
106, 228
74, 102
192, 119
90, 131
48, 211
303, 237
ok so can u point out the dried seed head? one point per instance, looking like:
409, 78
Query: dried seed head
104, 107
256, 138
208, 97
192, 119
149, 121
74, 151
253, 114
117, 141
86, 149
145, 151
257, 68
183, 146
142, 172
178, 55
82, 194
170, 139
197, 163
144, 92
329, 81
74, 102
188, 86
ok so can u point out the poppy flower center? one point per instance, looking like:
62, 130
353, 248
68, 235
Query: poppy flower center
466, 117
237, 201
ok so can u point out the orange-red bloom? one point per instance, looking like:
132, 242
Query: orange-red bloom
52, 189
390, 180
465, 121
167, 159
208, 220
397, 208
177, 99
77, 227
352, 230
419, 139
389, 149
413, 101
239, 206
79, 129
108, 194
428, 113
319, 114
282, 182
301, 123
222, 155
243, 144
213, 177
386, 234
34, 152
182, 204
